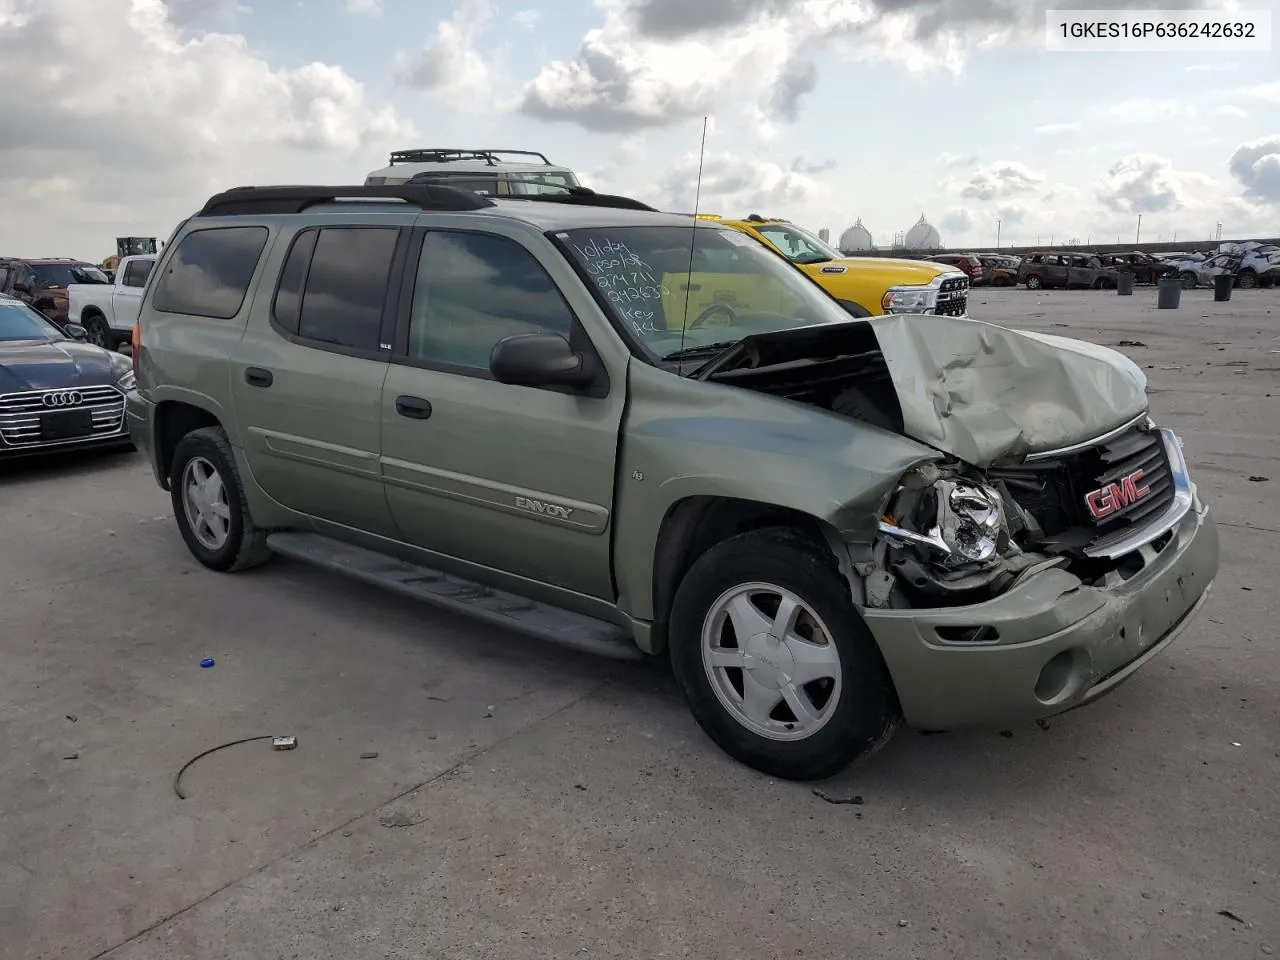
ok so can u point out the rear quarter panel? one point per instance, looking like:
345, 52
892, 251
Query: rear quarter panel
185, 358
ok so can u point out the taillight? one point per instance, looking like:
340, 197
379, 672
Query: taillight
136, 347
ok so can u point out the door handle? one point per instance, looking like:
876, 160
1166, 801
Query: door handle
415, 408
257, 377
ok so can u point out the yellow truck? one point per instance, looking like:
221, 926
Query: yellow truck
864, 286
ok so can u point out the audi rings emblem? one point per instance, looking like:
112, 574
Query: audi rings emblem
65, 398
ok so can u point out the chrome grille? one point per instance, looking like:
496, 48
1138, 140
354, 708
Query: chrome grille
953, 297
20, 413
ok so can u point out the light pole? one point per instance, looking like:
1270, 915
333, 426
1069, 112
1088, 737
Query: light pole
1138, 236
998, 221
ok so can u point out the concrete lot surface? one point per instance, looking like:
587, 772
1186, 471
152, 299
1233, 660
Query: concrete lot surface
531, 802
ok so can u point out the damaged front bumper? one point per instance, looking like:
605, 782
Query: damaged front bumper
1051, 643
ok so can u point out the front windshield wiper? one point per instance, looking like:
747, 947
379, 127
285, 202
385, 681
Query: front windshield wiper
809, 261
705, 350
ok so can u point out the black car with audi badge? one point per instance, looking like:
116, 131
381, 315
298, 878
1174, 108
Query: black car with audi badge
57, 392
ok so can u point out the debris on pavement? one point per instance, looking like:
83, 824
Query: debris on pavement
1130, 343
284, 743
177, 779
1257, 479
397, 820
856, 801
1232, 917
207, 662
1007, 734
369, 755
72, 717
72, 756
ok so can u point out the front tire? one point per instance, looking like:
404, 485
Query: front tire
1248, 280
774, 661
1189, 280
209, 504
1033, 282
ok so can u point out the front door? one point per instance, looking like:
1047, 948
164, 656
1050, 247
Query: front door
307, 377
517, 479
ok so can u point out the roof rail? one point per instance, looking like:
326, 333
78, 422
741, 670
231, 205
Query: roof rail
451, 154
577, 195
295, 199
586, 197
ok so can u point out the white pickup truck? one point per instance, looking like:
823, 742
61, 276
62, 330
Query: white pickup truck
108, 313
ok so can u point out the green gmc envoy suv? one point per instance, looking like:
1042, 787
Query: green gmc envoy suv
637, 433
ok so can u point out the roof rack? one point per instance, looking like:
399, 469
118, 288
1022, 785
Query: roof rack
295, 199
450, 155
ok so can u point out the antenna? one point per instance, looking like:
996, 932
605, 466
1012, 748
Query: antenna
693, 238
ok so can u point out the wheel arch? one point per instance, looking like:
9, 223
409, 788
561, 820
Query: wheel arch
174, 419
695, 524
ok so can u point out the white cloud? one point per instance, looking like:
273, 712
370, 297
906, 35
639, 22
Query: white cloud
1268, 92
1150, 110
366, 7
1229, 110
1256, 166
1004, 178
215, 115
1051, 128
527, 19
451, 62
953, 161
736, 185
1149, 183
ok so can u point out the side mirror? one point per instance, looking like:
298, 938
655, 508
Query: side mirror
539, 360
76, 332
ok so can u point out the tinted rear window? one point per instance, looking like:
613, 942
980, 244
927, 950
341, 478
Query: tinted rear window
347, 286
209, 274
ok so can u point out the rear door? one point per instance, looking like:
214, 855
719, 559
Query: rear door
1080, 272
307, 377
515, 479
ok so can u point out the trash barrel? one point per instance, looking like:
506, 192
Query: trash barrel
1124, 283
1222, 285
1169, 293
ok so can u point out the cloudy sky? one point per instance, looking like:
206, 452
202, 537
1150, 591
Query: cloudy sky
119, 117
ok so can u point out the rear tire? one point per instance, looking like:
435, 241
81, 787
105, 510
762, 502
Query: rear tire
1248, 280
724, 614
1189, 280
99, 332
1033, 282
209, 504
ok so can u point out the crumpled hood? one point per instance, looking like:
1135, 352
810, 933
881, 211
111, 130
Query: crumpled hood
987, 394
43, 365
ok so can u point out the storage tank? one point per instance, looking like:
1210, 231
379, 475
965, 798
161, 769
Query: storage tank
922, 236
856, 238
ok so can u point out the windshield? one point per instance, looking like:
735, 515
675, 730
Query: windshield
799, 246
51, 276
20, 322
524, 184
736, 288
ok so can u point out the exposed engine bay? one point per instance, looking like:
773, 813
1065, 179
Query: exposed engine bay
953, 533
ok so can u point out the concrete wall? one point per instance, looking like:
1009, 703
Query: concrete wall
1195, 245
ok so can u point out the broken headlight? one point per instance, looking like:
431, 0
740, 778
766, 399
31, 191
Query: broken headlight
958, 521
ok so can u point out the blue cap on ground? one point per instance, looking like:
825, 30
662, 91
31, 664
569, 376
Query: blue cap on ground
207, 662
